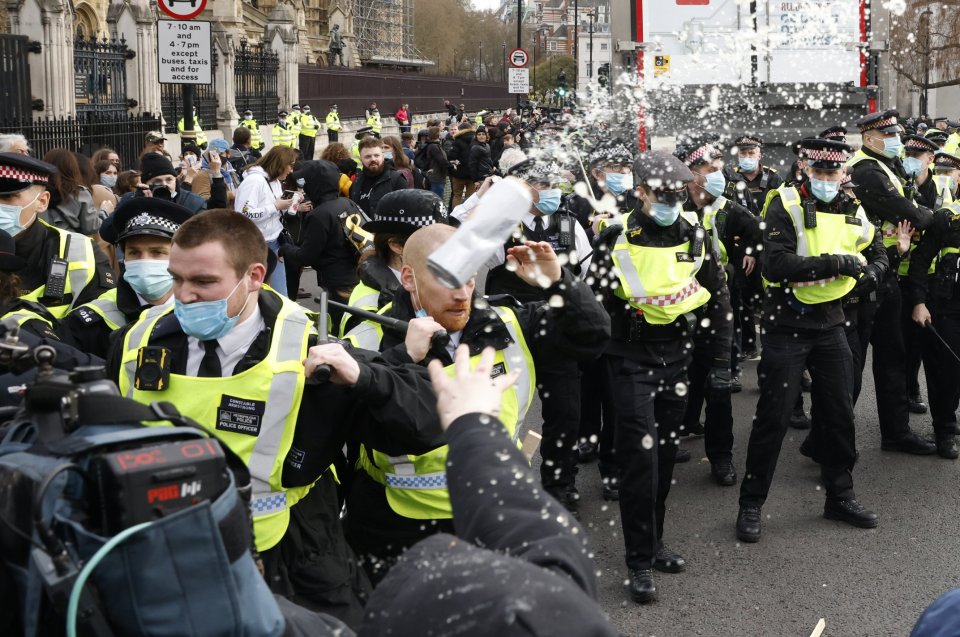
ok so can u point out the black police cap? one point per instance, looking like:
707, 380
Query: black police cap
946, 160
537, 171
144, 216
937, 135
836, 133
697, 151
406, 211
19, 172
885, 121
748, 141
825, 154
659, 170
919, 144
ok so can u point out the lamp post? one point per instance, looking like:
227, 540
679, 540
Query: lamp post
503, 67
519, 36
481, 60
924, 95
593, 15
576, 42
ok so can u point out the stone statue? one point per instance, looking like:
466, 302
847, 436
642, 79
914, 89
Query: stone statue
336, 45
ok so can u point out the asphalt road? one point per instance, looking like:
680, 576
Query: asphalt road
862, 582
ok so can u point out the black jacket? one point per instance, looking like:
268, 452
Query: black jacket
781, 264
880, 198
323, 245
195, 203
481, 165
367, 190
533, 574
461, 152
87, 331
767, 179
941, 287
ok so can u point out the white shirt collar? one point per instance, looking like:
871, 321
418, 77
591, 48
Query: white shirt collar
243, 334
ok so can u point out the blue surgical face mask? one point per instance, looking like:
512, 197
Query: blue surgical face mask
148, 277
110, 181
825, 191
618, 183
891, 147
388, 155
747, 164
664, 214
912, 165
10, 217
716, 183
207, 320
549, 201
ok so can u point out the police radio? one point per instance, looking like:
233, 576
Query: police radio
809, 214
56, 284
565, 224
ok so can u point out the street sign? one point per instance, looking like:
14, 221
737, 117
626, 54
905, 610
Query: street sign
518, 81
661, 65
184, 52
182, 9
518, 58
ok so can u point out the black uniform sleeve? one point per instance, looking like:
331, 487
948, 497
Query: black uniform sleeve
218, 193
781, 263
103, 278
515, 515
881, 199
718, 309
744, 224
917, 283
878, 255
579, 328
86, 331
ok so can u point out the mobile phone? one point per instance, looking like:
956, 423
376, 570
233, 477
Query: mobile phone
191, 160
288, 194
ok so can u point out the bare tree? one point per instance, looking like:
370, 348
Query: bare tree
925, 44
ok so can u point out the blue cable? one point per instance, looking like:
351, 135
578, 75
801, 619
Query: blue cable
88, 569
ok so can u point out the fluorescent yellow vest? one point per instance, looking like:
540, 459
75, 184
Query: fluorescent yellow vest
954, 209
333, 121
105, 306
256, 139
309, 125
265, 399
366, 298
660, 282
416, 486
282, 136
834, 234
201, 139
77, 250
23, 315
710, 214
375, 122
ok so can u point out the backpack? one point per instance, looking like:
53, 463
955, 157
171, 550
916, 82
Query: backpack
421, 160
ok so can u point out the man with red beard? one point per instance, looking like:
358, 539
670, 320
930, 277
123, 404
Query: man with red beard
399, 494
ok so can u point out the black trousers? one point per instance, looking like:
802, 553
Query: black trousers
307, 145
649, 412
597, 414
786, 352
333, 136
912, 335
942, 369
890, 363
558, 383
718, 423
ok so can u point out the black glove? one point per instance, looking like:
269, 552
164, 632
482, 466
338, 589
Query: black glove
718, 381
607, 237
849, 265
868, 282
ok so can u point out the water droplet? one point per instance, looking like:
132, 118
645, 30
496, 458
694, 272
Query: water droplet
647, 442
680, 389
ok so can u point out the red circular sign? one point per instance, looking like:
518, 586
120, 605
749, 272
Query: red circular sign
518, 57
182, 9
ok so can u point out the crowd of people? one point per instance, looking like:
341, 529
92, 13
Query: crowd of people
629, 305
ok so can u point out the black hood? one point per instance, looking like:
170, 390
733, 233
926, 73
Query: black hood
321, 180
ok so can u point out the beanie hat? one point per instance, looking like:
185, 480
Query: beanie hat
153, 165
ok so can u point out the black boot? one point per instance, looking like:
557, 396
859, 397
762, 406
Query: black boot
947, 447
748, 524
916, 405
668, 561
723, 473
682, 456
642, 587
851, 512
611, 489
799, 419
910, 443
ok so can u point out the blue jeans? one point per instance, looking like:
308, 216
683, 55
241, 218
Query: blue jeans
278, 280
437, 188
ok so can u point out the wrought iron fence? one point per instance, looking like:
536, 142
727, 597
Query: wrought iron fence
86, 133
255, 73
204, 100
100, 75
14, 76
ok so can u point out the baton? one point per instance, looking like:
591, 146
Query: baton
933, 330
439, 339
322, 372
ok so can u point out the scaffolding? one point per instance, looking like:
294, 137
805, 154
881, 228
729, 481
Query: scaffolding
384, 31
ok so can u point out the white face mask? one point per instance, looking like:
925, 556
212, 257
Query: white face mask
10, 216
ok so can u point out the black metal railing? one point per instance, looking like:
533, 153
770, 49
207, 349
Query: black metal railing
204, 99
100, 75
86, 133
255, 73
14, 76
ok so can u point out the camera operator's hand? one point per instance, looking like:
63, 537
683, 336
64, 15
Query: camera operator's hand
145, 190
344, 369
469, 391
537, 263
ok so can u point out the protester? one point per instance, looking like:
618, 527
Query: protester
377, 179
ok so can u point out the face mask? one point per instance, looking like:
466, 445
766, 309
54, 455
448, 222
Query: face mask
891, 147
912, 165
549, 201
207, 320
617, 183
664, 214
825, 191
747, 164
148, 278
388, 155
110, 181
716, 183
10, 217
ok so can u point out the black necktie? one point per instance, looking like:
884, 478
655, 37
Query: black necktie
538, 228
210, 365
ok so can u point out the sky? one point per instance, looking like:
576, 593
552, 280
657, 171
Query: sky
486, 4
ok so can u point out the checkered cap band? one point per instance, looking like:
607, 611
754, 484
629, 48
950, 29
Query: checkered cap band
146, 220
269, 503
668, 299
19, 174
747, 141
946, 160
418, 221
881, 123
913, 143
425, 481
817, 154
705, 152
835, 135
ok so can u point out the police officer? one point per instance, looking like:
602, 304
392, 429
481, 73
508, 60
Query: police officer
373, 119
758, 178
309, 125
256, 138
878, 172
333, 124
199, 136
399, 495
559, 379
141, 228
64, 269
365, 131
937, 136
724, 220
228, 353
398, 215
934, 299
282, 131
668, 279
294, 120
814, 253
